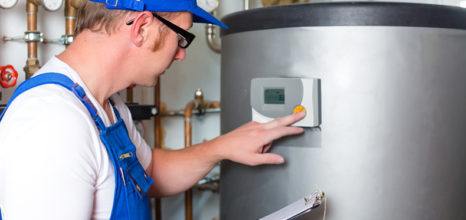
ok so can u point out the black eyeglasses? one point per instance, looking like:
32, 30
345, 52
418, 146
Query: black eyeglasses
185, 38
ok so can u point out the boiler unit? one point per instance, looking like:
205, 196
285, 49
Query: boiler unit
384, 88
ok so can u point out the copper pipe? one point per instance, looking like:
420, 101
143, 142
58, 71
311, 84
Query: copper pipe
188, 195
70, 17
71, 11
129, 95
32, 63
177, 113
158, 139
213, 105
199, 104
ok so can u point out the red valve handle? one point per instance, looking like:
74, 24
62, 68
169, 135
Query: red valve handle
8, 76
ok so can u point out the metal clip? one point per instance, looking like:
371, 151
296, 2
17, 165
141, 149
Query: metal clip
298, 208
66, 39
126, 155
137, 187
33, 36
63, 40
314, 199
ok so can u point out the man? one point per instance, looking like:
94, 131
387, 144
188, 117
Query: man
68, 145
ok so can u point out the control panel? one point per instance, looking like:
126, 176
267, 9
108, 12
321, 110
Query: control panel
277, 97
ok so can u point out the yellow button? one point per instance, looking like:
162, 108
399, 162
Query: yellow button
299, 108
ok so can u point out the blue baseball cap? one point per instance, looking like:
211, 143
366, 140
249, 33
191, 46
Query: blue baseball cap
199, 14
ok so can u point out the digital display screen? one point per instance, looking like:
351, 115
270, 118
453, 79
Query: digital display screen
274, 96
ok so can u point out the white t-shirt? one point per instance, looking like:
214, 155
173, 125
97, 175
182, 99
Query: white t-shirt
52, 162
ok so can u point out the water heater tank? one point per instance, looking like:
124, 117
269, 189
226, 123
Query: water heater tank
389, 136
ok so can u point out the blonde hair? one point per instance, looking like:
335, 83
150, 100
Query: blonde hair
96, 17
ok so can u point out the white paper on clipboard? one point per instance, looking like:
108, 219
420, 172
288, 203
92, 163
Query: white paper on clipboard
300, 207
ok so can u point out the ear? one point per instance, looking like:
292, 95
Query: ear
140, 28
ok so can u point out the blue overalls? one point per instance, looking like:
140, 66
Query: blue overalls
132, 183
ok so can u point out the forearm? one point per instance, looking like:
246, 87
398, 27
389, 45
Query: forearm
175, 171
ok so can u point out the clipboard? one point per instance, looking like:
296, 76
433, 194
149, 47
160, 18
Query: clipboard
298, 208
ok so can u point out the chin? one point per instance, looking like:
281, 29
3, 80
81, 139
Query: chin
153, 82
147, 83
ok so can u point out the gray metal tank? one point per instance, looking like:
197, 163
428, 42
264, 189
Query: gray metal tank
392, 142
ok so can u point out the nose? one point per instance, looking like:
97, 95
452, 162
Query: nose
180, 54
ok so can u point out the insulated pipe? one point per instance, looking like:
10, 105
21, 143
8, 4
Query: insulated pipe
158, 138
32, 63
201, 105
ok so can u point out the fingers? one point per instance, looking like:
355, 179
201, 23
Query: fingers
266, 148
280, 132
268, 158
257, 138
249, 125
285, 121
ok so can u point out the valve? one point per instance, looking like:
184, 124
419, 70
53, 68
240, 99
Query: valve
8, 76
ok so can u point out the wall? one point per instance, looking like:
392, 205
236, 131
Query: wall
201, 69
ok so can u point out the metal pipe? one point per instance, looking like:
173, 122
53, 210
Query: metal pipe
129, 95
70, 18
188, 195
178, 113
212, 41
71, 11
213, 44
201, 106
209, 184
158, 140
32, 63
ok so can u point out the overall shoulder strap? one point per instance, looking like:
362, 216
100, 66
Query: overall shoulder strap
58, 79
115, 110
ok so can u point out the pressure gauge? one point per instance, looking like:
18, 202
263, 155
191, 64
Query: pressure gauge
8, 3
208, 5
52, 5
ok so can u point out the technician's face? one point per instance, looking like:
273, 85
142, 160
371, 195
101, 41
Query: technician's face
169, 49
173, 41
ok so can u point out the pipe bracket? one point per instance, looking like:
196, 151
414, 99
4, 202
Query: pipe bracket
33, 36
66, 39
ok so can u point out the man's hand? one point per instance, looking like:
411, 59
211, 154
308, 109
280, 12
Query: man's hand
175, 171
250, 143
